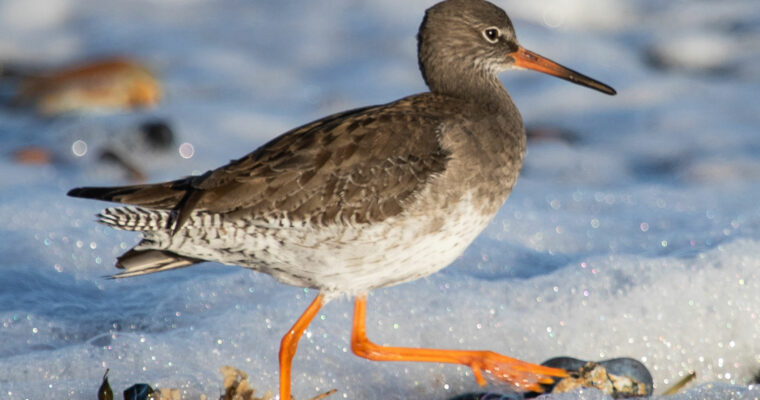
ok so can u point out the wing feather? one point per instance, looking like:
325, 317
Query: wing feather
361, 165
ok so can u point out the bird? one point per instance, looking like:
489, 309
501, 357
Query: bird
106, 84
362, 199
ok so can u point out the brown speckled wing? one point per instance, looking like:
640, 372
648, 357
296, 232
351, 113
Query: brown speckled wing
361, 165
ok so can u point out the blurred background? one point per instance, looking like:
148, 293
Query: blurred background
633, 231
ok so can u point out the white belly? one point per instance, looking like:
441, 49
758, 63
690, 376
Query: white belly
341, 259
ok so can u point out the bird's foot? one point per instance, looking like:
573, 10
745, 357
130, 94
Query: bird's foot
522, 375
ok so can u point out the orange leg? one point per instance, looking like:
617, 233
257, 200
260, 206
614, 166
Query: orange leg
522, 375
289, 345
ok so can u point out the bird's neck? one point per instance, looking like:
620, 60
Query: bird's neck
482, 88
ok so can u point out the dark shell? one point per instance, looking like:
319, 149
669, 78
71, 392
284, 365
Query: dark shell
636, 379
620, 367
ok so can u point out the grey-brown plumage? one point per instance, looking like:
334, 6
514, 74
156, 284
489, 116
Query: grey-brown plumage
360, 199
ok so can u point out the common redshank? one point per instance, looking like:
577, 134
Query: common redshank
365, 198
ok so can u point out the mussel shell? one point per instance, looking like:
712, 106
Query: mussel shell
623, 366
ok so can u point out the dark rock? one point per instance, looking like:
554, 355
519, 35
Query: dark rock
158, 134
138, 391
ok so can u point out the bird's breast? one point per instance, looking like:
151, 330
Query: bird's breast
486, 158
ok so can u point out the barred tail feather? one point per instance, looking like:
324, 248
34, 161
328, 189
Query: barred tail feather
141, 262
135, 218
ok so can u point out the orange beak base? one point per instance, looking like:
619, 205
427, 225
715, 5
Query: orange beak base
530, 60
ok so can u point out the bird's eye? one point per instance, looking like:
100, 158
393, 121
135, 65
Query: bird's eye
492, 34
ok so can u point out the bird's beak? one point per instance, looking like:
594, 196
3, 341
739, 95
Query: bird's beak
530, 60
